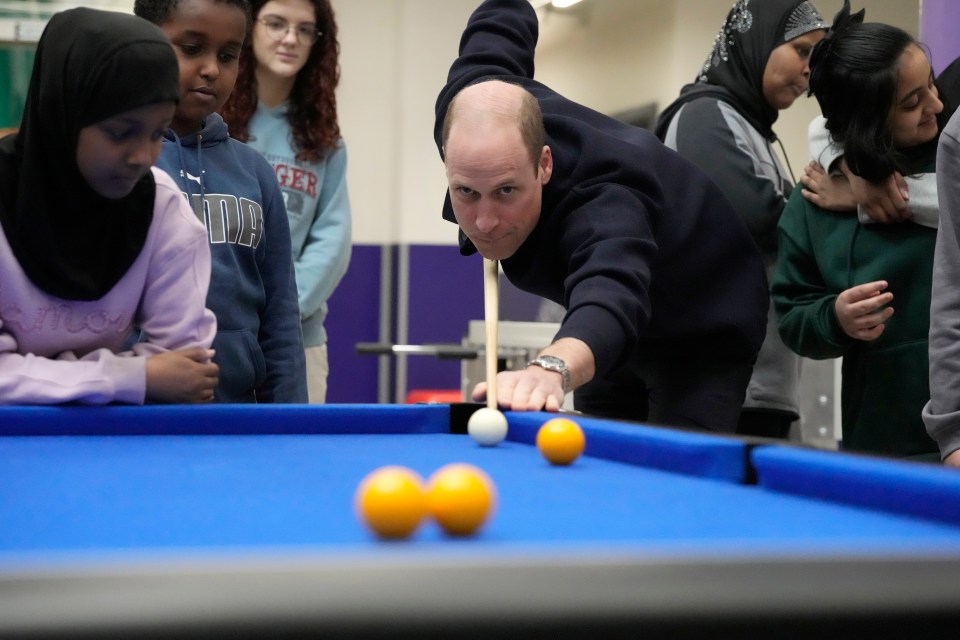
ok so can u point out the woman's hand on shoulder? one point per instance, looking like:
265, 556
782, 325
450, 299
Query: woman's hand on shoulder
832, 193
885, 202
182, 377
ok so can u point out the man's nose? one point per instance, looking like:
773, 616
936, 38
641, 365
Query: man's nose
487, 218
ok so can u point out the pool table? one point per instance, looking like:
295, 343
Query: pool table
238, 521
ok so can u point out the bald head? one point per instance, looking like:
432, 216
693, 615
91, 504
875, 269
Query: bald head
494, 104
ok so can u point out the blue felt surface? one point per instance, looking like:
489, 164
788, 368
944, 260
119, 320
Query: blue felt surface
223, 419
697, 454
168, 493
921, 490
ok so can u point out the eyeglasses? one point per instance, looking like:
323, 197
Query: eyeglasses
278, 28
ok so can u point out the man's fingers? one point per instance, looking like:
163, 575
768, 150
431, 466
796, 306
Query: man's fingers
479, 392
552, 405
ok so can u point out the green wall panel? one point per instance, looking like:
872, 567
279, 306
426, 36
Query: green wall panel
16, 63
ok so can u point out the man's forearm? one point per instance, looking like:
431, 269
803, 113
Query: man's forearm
578, 357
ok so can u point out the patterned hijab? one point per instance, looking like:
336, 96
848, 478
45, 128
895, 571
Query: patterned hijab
90, 65
752, 30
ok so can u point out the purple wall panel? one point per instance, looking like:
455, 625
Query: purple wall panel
446, 292
354, 317
938, 31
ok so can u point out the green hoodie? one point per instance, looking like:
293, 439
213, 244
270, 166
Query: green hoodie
885, 381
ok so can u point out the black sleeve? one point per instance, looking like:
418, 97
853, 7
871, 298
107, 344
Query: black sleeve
499, 41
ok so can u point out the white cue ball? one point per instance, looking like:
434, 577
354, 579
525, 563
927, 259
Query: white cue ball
487, 427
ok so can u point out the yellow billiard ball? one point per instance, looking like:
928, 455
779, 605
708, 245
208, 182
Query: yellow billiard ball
561, 441
460, 497
391, 502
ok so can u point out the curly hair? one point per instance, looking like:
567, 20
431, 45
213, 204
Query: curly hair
159, 12
312, 111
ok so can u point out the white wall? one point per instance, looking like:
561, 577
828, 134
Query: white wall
394, 60
610, 55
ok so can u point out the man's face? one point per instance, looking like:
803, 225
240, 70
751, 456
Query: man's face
495, 189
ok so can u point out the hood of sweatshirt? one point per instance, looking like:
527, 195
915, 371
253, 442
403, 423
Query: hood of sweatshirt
190, 178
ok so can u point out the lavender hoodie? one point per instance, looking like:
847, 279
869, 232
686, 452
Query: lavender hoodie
54, 350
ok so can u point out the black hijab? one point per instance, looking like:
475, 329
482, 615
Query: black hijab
90, 65
733, 72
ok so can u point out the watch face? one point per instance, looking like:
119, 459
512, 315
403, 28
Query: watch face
553, 363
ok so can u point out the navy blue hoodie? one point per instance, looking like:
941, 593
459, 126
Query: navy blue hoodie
253, 292
643, 251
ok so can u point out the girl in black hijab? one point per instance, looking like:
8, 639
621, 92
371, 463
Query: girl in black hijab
94, 242
723, 123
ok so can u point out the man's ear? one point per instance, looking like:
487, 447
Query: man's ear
545, 165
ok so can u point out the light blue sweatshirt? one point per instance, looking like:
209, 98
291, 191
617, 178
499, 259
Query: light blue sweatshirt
318, 208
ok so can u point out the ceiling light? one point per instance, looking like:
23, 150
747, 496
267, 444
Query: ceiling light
553, 4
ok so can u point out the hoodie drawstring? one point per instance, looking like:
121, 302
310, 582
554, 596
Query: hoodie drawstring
185, 175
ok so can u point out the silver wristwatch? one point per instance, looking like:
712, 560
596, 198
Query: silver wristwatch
553, 363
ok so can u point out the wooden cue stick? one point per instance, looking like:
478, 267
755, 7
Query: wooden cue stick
491, 314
